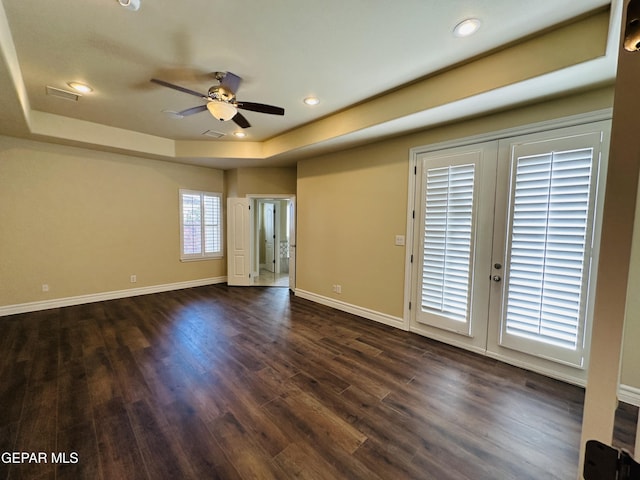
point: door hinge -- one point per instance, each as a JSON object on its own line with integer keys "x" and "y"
{"x": 415, "y": 169}
{"x": 411, "y": 258}
{"x": 413, "y": 214}
{"x": 409, "y": 305}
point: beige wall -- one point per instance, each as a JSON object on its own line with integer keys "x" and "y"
{"x": 261, "y": 181}
{"x": 83, "y": 221}
{"x": 350, "y": 207}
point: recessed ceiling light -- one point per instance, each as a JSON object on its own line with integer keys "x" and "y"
{"x": 239, "y": 134}
{"x": 80, "y": 87}
{"x": 466, "y": 27}
{"x": 311, "y": 100}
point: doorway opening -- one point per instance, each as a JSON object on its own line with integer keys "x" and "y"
{"x": 272, "y": 243}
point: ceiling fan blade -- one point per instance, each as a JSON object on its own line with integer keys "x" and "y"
{"x": 230, "y": 82}
{"x": 178, "y": 87}
{"x": 192, "y": 110}
{"x": 260, "y": 107}
{"x": 241, "y": 121}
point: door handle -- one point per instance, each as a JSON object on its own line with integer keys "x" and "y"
{"x": 496, "y": 278}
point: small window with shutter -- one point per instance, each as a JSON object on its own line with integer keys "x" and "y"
{"x": 200, "y": 225}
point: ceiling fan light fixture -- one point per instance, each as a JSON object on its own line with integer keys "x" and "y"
{"x": 221, "y": 110}
{"x": 130, "y": 4}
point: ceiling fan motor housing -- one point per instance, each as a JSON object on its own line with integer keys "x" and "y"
{"x": 221, "y": 94}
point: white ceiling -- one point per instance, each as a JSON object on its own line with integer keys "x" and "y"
{"x": 344, "y": 52}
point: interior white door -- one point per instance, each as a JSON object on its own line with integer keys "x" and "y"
{"x": 269, "y": 219}
{"x": 239, "y": 242}
{"x": 454, "y": 213}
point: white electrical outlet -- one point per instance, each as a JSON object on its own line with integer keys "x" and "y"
{"x": 338, "y": 288}
{"x": 334, "y": 287}
{"x": 45, "y": 287}
{"x": 400, "y": 240}
{"x": 133, "y": 279}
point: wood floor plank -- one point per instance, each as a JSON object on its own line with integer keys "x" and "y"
{"x": 79, "y": 446}
{"x": 384, "y": 426}
{"x": 73, "y": 397}
{"x": 36, "y": 430}
{"x": 300, "y": 431}
{"x": 322, "y": 422}
{"x": 163, "y": 457}
{"x": 131, "y": 381}
{"x": 247, "y": 457}
{"x": 13, "y": 388}
{"x": 202, "y": 451}
{"x": 240, "y": 383}
{"x": 246, "y": 396}
{"x": 388, "y": 461}
{"x": 23, "y": 346}
{"x": 101, "y": 379}
{"x": 70, "y": 345}
{"x": 300, "y": 462}
{"x": 8, "y": 436}
{"x": 119, "y": 453}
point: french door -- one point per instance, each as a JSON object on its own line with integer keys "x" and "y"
{"x": 506, "y": 234}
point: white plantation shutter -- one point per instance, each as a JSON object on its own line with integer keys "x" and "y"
{"x": 549, "y": 247}
{"x": 212, "y": 210}
{"x": 200, "y": 228}
{"x": 191, "y": 223}
{"x": 448, "y": 225}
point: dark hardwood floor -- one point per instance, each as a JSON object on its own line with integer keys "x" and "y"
{"x": 243, "y": 383}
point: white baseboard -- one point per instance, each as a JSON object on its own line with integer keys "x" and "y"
{"x": 99, "y": 297}
{"x": 547, "y": 372}
{"x": 630, "y": 395}
{"x": 354, "y": 309}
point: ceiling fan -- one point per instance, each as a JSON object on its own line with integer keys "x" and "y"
{"x": 221, "y": 100}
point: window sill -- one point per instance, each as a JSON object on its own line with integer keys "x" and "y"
{"x": 200, "y": 259}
